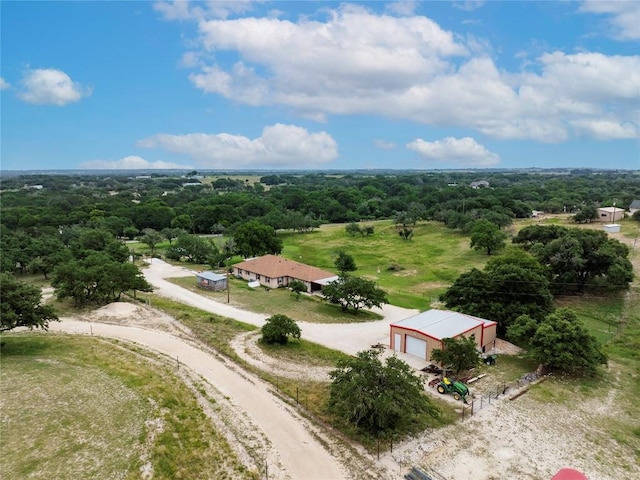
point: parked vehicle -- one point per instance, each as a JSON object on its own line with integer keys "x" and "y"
{"x": 458, "y": 389}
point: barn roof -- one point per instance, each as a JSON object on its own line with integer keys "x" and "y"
{"x": 442, "y": 323}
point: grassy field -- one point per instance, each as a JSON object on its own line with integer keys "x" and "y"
{"x": 413, "y": 273}
{"x": 77, "y": 407}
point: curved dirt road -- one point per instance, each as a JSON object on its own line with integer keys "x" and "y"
{"x": 346, "y": 337}
{"x": 298, "y": 451}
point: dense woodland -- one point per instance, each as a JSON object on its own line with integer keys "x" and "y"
{"x": 126, "y": 205}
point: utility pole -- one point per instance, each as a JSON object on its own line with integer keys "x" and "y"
{"x": 227, "y": 284}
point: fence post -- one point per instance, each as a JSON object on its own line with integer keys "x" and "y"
{"x": 297, "y": 402}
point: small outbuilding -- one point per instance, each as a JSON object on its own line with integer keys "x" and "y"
{"x": 212, "y": 281}
{"x": 610, "y": 214}
{"x": 421, "y": 334}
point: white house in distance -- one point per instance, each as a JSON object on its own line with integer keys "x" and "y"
{"x": 273, "y": 271}
{"x": 421, "y": 334}
{"x": 610, "y": 214}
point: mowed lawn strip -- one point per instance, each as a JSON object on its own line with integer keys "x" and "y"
{"x": 76, "y": 407}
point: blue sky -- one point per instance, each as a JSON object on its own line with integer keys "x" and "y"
{"x": 320, "y": 85}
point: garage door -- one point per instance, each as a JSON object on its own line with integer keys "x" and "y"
{"x": 415, "y": 346}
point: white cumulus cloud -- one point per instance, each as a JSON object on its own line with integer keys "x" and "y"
{"x": 278, "y": 146}
{"x": 350, "y": 60}
{"x": 131, "y": 162}
{"x": 4, "y": 84}
{"x": 623, "y": 17}
{"x": 463, "y": 152}
{"x": 50, "y": 86}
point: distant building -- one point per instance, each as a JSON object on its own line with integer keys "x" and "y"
{"x": 479, "y": 184}
{"x": 610, "y": 214}
{"x": 634, "y": 207}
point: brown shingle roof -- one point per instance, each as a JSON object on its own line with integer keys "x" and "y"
{"x": 273, "y": 266}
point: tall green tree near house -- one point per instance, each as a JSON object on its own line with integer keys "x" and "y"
{"x": 253, "y": 239}
{"x": 354, "y": 293}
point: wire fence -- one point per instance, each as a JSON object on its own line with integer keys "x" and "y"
{"x": 514, "y": 389}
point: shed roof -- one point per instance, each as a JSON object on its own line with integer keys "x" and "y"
{"x": 274, "y": 266}
{"x": 611, "y": 209}
{"x": 214, "y": 277}
{"x": 635, "y": 204}
{"x": 442, "y": 323}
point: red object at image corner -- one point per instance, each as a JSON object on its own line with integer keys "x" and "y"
{"x": 569, "y": 474}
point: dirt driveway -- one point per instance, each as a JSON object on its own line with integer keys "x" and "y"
{"x": 295, "y": 451}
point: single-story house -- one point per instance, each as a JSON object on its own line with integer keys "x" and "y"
{"x": 211, "y": 280}
{"x": 610, "y": 214}
{"x": 273, "y": 271}
{"x": 634, "y": 207}
{"x": 421, "y": 334}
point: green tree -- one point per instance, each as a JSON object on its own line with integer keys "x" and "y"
{"x": 587, "y": 214}
{"x": 253, "y": 239}
{"x": 378, "y": 398}
{"x": 172, "y": 233}
{"x": 97, "y": 279}
{"x": 130, "y": 232}
{"x": 345, "y": 262}
{"x": 522, "y": 330}
{"x": 21, "y": 305}
{"x": 182, "y": 222}
{"x": 509, "y": 286}
{"x": 352, "y": 228}
{"x": 460, "y": 354}
{"x": 196, "y": 249}
{"x": 561, "y": 342}
{"x": 46, "y": 253}
{"x": 485, "y": 235}
{"x": 297, "y": 287}
{"x": 151, "y": 238}
{"x": 354, "y": 292}
{"x": 583, "y": 258}
{"x": 278, "y": 328}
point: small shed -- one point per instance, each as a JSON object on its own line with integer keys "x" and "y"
{"x": 212, "y": 280}
{"x": 421, "y": 334}
{"x": 612, "y": 228}
{"x": 610, "y": 214}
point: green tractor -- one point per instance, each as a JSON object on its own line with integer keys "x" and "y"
{"x": 458, "y": 389}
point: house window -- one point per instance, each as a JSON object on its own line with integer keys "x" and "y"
{"x": 279, "y": 280}
{"x": 257, "y": 277}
